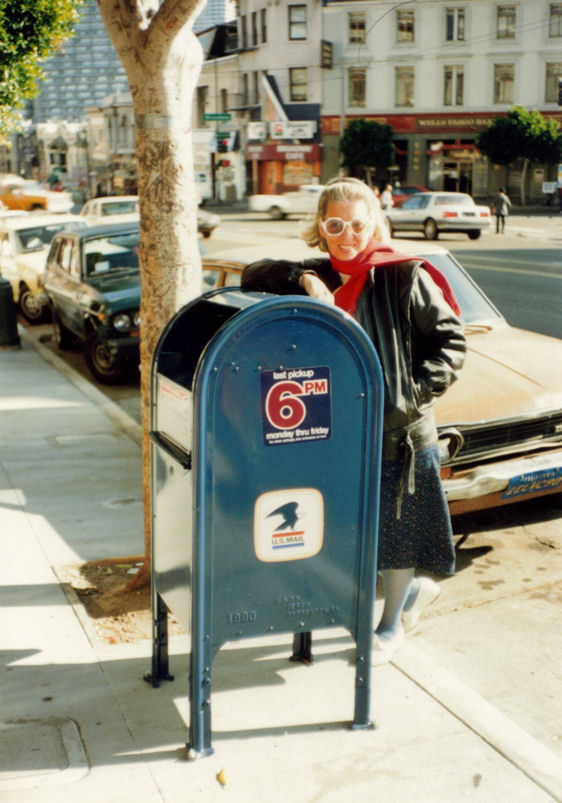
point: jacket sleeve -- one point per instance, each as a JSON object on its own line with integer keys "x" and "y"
{"x": 282, "y": 277}
{"x": 279, "y": 276}
{"x": 439, "y": 347}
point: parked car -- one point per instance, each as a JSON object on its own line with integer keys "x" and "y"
{"x": 24, "y": 243}
{"x": 125, "y": 209}
{"x": 434, "y": 212}
{"x": 111, "y": 209}
{"x": 500, "y": 424}
{"x": 29, "y": 196}
{"x": 207, "y": 222}
{"x": 299, "y": 202}
{"x": 402, "y": 193}
{"x": 92, "y": 280}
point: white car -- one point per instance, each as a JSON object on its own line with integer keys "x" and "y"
{"x": 299, "y": 202}
{"x": 434, "y": 212}
{"x": 24, "y": 243}
{"x": 111, "y": 209}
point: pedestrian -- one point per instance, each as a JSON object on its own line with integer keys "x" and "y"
{"x": 387, "y": 201}
{"x": 502, "y": 207}
{"x": 410, "y": 313}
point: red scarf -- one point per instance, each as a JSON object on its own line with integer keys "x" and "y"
{"x": 376, "y": 255}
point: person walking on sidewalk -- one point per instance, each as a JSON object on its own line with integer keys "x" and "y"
{"x": 502, "y": 207}
{"x": 409, "y": 311}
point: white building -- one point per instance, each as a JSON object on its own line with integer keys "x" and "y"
{"x": 438, "y": 73}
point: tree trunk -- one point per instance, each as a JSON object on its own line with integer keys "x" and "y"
{"x": 162, "y": 58}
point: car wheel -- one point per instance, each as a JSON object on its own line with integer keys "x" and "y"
{"x": 474, "y": 234}
{"x": 430, "y": 230}
{"x": 206, "y": 233}
{"x": 276, "y": 213}
{"x": 30, "y": 308}
{"x": 102, "y": 364}
{"x": 61, "y": 335}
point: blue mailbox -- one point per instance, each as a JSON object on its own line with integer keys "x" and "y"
{"x": 266, "y": 419}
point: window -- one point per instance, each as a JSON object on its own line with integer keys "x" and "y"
{"x": 256, "y": 87}
{"x": 245, "y": 93}
{"x": 455, "y": 24}
{"x": 505, "y": 27}
{"x": 405, "y": 25}
{"x": 297, "y": 22}
{"x": 224, "y": 100}
{"x": 356, "y": 22}
{"x": 357, "y": 86}
{"x": 555, "y": 20}
{"x": 254, "y": 19}
{"x": 404, "y": 86}
{"x": 263, "y": 17}
{"x": 553, "y": 73}
{"x": 243, "y": 32}
{"x": 202, "y": 100}
{"x": 504, "y": 76}
{"x": 453, "y": 85}
{"x": 297, "y": 82}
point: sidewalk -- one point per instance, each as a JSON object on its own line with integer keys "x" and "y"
{"x": 79, "y": 723}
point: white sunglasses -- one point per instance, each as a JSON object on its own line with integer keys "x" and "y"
{"x": 335, "y": 226}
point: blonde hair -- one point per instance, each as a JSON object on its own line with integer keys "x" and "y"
{"x": 345, "y": 189}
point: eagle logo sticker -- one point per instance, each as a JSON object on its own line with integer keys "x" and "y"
{"x": 288, "y": 524}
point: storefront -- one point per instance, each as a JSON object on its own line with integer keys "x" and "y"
{"x": 282, "y": 167}
{"x": 436, "y": 151}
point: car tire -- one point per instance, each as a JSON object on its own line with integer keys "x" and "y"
{"x": 206, "y": 234}
{"x": 276, "y": 213}
{"x": 32, "y": 311}
{"x": 61, "y": 335}
{"x": 474, "y": 234}
{"x": 103, "y": 365}
{"x": 430, "y": 230}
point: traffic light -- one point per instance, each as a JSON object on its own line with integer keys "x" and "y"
{"x": 226, "y": 141}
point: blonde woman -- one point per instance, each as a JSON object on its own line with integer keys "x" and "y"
{"x": 408, "y": 310}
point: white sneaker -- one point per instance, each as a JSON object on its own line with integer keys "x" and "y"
{"x": 384, "y": 649}
{"x": 428, "y": 593}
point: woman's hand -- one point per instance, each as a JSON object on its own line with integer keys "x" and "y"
{"x": 316, "y": 288}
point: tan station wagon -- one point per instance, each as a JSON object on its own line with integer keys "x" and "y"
{"x": 500, "y": 424}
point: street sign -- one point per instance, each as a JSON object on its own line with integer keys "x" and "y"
{"x": 222, "y": 116}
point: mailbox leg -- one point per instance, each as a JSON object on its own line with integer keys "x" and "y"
{"x": 160, "y": 668}
{"x": 302, "y": 648}
{"x": 200, "y": 701}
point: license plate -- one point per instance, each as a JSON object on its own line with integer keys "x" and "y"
{"x": 534, "y": 482}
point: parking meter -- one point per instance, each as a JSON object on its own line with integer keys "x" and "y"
{"x": 266, "y": 418}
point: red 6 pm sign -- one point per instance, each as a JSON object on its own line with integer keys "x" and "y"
{"x": 296, "y": 405}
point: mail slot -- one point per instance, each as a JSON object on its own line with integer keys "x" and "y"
{"x": 266, "y": 419}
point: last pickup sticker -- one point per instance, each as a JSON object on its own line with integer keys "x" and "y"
{"x": 296, "y": 405}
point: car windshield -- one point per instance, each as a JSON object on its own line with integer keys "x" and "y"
{"x": 35, "y": 238}
{"x": 117, "y": 252}
{"x": 118, "y": 208}
{"x": 476, "y": 308}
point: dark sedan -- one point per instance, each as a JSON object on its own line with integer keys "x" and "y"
{"x": 92, "y": 280}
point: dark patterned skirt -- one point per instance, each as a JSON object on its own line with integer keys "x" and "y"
{"x": 422, "y": 538}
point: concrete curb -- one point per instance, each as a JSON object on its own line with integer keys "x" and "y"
{"x": 529, "y": 755}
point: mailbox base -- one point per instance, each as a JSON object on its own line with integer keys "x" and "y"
{"x": 160, "y": 662}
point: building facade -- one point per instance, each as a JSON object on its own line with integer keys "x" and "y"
{"x": 438, "y": 73}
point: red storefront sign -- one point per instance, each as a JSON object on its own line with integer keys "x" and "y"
{"x": 284, "y": 153}
{"x": 462, "y": 122}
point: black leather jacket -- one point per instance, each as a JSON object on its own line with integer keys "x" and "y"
{"x": 418, "y": 338}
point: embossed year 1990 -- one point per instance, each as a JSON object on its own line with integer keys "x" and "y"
{"x": 240, "y": 617}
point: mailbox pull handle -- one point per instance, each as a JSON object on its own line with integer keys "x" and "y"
{"x": 181, "y": 457}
